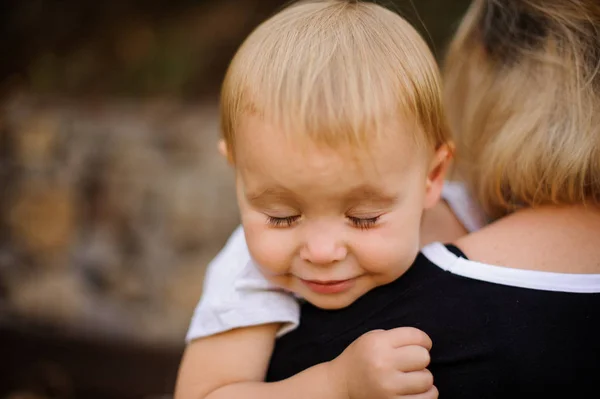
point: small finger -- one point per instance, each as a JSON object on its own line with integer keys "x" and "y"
{"x": 415, "y": 382}
{"x": 404, "y": 336}
{"x": 411, "y": 358}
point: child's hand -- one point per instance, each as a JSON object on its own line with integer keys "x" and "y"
{"x": 385, "y": 365}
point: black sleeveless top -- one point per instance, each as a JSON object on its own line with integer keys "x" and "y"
{"x": 489, "y": 340}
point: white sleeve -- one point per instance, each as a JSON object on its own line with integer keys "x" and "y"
{"x": 464, "y": 207}
{"x": 236, "y": 295}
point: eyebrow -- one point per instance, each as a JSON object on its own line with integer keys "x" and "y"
{"x": 268, "y": 195}
{"x": 363, "y": 193}
{"x": 371, "y": 194}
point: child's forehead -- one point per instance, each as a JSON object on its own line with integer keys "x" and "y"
{"x": 266, "y": 156}
{"x": 354, "y": 142}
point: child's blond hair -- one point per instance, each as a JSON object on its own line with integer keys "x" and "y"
{"x": 337, "y": 72}
{"x": 522, "y": 95}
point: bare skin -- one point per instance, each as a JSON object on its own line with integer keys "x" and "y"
{"x": 550, "y": 239}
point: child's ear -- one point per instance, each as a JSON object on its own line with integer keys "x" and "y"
{"x": 437, "y": 173}
{"x": 224, "y": 151}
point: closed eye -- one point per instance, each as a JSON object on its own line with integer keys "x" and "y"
{"x": 287, "y": 221}
{"x": 363, "y": 223}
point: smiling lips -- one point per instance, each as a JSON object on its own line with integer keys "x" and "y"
{"x": 329, "y": 287}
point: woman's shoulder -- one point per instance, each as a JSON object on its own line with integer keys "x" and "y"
{"x": 546, "y": 239}
{"x": 458, "y": 264}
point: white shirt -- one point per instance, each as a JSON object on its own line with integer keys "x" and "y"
{"x": 237, "y": 295}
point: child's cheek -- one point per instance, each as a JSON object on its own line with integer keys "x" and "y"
{"x": 271, "y": 248}
{"x": 388, "y": 251}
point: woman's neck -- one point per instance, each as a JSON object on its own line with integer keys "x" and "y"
{"x": 562, "y": 239}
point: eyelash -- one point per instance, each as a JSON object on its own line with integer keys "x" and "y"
{"x": 363, "y": 224}
{"x": 282, "y": 222}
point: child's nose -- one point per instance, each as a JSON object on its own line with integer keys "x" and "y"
{"x": 323, "y": 248}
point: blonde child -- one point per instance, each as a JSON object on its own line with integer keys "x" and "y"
{"x": 332, "y": 119}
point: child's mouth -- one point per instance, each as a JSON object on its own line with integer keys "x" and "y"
{"x": 329, "y": 287}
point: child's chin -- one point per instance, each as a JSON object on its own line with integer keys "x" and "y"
{"x": 332, "y": 302}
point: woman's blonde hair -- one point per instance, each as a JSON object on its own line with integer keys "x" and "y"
{"x": 522, "y": 96}
{"x": 337, "y": 72}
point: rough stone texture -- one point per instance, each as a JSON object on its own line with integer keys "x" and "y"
{"x": 110, "y": 213}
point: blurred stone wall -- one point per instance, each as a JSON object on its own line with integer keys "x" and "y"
{"x": 110, "y": 212}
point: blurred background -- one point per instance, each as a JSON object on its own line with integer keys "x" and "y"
{"x": 113, "y": 198}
